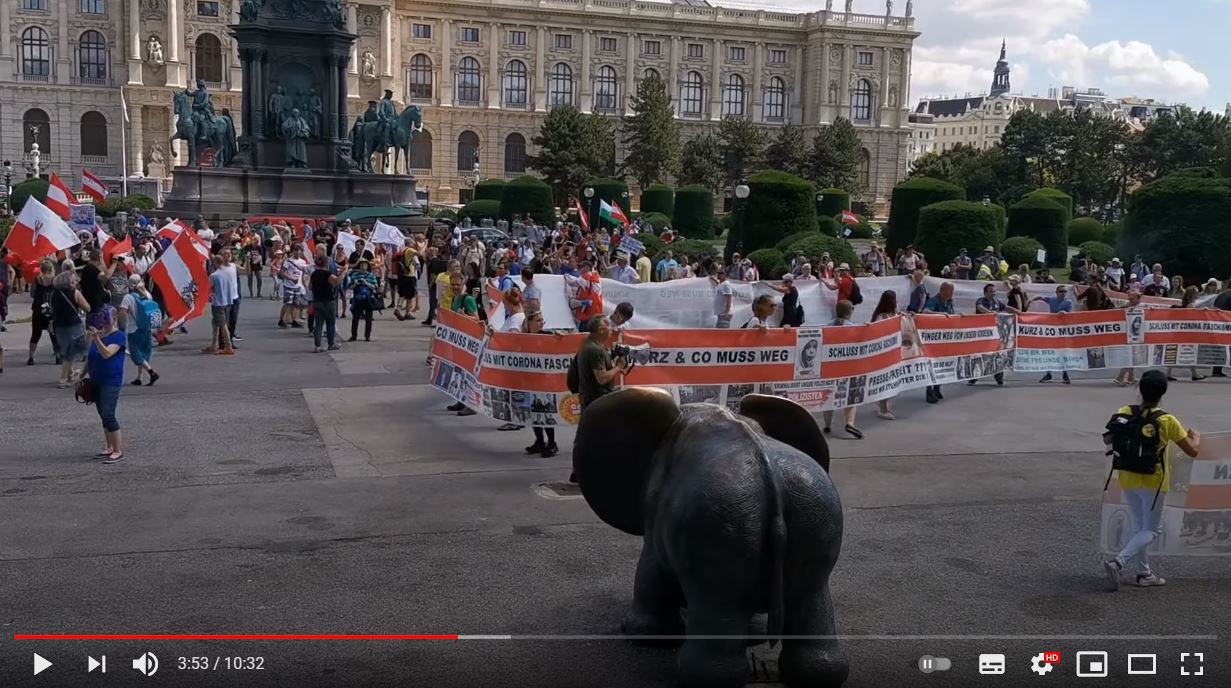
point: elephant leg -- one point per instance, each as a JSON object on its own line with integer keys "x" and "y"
{"x": 656, "y": 600}
{"x": 713, "y": 663}
{"x": 817, "y": 663}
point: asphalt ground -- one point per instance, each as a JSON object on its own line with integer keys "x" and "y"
{"x": 281, "y": 491}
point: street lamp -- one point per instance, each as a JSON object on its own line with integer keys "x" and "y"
{"x": 820, "y": 200}
{"x": 588, "y": 192}
{"x": 986, "y": 201}
{"x": 1107, "y": 215}
{"x": 8, "y": 186}
{"x": 741, "y": 194}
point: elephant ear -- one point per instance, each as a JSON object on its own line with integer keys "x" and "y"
{"x": 789, "y": 423}
{"x": 613, "y": 454}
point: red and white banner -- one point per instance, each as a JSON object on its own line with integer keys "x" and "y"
{"x": 39, "y": 232}
{"x": 171, "y": 230}
{"x": 110, "y": 246}
{"x": 181, "y": 277}
{"x": 59, "y": 198}
{"x": 93, "y": 186}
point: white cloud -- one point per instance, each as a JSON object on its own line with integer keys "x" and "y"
{"x": 1130, "y": 68}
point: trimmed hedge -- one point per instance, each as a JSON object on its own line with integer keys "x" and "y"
{"x": 786, "y": 242}
{"x": 1020, "y": 250}
{"x": 489, "y": 189}
{"x": 528, "y": 196}
{"x": 828, "y": 226}
{"x": 1098, "y": 251}
{"x": 778, "y": 205}
{"x": 695, "y": 249}
{"x": 651, "y": 243}
{"x": 1043, "y": 219}
{"x": 132, "y": 204}
{"x": 1083, "y": 229}
{"x": 482, "y": 209}
{"x": 835, "y": 201}
{"x": 1183, "y": 222}
{"x": 863, "y": 230}
{"x": 1064, "y": 200}
{"x": 605, "y": 189}
{"x": 816, "y": 244}
{"x": 947, "y": 227}
{"x": 657, "y": 220}
{"x": 770, "y": 263}
{"x": 658, "y": 198}
{"x": 22, "y": 191}
{"x": 908, "y": 199}
{"x": 694, "y": 212}
{"x": 1111, "y": 234}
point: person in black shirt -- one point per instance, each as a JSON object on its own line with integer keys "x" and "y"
{"x": 361, "y": 252}
{"x": 93, "y": 287}
{"x": 436, "y": 265}
{"x": 323, "y": 284}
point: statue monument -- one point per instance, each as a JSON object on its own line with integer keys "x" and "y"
{"x": 299, "y": 153}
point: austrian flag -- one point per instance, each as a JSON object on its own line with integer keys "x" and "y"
{"x": 93, "y": 186}
{"x": 110, "y": 246}
{"x": 40, "y": 232}
{"x": 181, "y": 277}
{"x": 59, "y": 198}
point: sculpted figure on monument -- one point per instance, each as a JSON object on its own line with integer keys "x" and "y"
{"x": 386, "y": 116}
{"x": 369, "y": 65}
{"x": 224, "y": 142}
{"x": 153, "y": 50}
{"x": 314, "y": 109}
{"x": 295, "y": 131}
{"x": 249, "y": 10}
{"x": 278, "y": 106}
{"x": 910, "y": 8}
{"x": 850, "y": 6}
{"x": 156, "y": 154}
{"x": 333, "y": 11}
{"x": 202, "y": 109}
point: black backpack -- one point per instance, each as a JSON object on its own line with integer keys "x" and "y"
{"x": 1136, "y": 442}
{"x": 574, "y": 377}
{"x": 856, "y": 294}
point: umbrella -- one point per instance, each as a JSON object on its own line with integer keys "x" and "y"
{"x": 368, "y": 213}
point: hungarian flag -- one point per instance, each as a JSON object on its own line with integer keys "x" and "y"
{"x": 582, "y": 216}
{"x": 612, "y": 213}
{"x": 59, "y": 198}
{"x": 849, "y": 218}
{"x": 39, "y": 232}
{"x": 93, "y": 186}
{"x": 181, "y": 277}
{"x": 171, "y": 230}
{"x": 110, "y": 246}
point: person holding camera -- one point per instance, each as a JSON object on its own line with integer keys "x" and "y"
{"x": 596, "y": 368}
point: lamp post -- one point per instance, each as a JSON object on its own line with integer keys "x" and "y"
{"x": 820, "y": 201}
{"x": 741, "y": 194}
{"x": 986, "y": 201}
{"x": 1107, "y": 215}
{"x": 8, "y": 186}
{"x": 588, "y": 192}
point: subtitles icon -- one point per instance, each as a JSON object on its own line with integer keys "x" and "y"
{"x": 991, "y": 664}
{"x": 1142, "y": 665}
{"x": 1044, "y": 662}
{"x": 1092, "y": 665}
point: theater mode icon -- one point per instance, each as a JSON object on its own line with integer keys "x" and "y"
{"x": 991, "y": 664}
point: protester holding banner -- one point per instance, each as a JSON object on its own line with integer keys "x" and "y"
{"x": 842, "y": 318}
{"x": 1056, "y": 304}
{"x": 1187, "y": 301}
{"x": 792, "y": 312}
{"x": 585, "y": 295}
{"x": 988, "y": 303}
{"x": 1127, "y": 376}
{"x": 941, "y": 303}
{"x": 886, "y": 308}
{"x": 724, "y": 294}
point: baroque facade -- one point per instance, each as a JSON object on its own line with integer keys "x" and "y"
{"x": 91, "y": 80}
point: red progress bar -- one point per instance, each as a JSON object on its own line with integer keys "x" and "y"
{"x": 233, "y": 636}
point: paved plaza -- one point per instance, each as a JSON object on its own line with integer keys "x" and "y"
{"x": 281, "y": 491}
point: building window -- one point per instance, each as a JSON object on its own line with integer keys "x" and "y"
{"x": 515, "y": 82}
{"x": 861, "y": 104}
{"x": 651, "y": 73}
{"x": 36, "y": 128}
{"x": 775, "y": 100}
{"x": 560, "y": 86}
{"x": 696, "y": 50}
{"x": 419, "y": 82}
{"x": 652, "y": 47}
{"x": 997, "y": 129}
{"x": 517, "y": 38}
{"x": 733, "y": 96}
{"x": 421, "y": 150}
{"x": 735, "y": 53}
{"x": 209, "y": 58}
{"x": 606, "y": 45}
{"x": 423, "y": 31}
{"x": 34, "y": 5}
{"x": 93, "y": 134}
{"x": 605, "y": 88}
{"x": 564, "y": 41}
{"x": 865, "y": 168}
{"x": 467, "y": 151}
{"x": 865, "y": 59}
{"x": 91, "y": 6}
{"x": 35, "y": 54}
{"x": 691, "y": 93}
{"x": 514, "y": 153}
{"x": 207, "y": 8}
{"x": 777, "y": 57}
{"x": 92, "y": 57}
{"x": 468, "y": 80}
{"x": 470, "y": 34}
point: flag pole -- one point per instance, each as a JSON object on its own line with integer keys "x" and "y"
{"x": 123, "y": 145}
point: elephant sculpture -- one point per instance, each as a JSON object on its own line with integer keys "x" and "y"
{"x": 739, "y": 517}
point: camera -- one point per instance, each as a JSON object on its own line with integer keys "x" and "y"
{"x": 621, "y": 351}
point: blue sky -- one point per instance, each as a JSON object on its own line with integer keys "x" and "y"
{"x": 1175, "y": 50}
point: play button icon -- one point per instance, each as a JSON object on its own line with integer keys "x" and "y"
{"x": 40, "y": 664}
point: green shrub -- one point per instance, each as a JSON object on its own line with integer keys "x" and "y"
{"x": 651, "y": 243}
{"x": 448, "y": 213}
{"x": 835, "y": 201}
{"x": 1064, "y": 200}
{"x": 1043, "y": 219}
{"x": 779, "y": 204}
{"x": 1183, "y": 222}
{"x": 6, "y": 225}
{"x": 1098, "y": 251}
{"x": 22, "y": 191}
{"x": 489, "y": 189}
{"x": 695, "y": 249}
{"x": 1083, "y": 229}
{"x": 949, "y": 226}
{"x": 862, "y": 230}
{"x": 787, "y": 241}
{"x": 483, "y": 209}
{"x": 1111, "y": 234}
{"x": 694, "y": 212}
{"x": 908, "y": 199}
{"x": 1020, "y": 250}
{"x": 828, "y": 226}
{"x": 657, "y": 220}
{"x": 528, "y": 196}
{"x": 816, "y": 244}
{"x": 658, "y": 198}
{"x": 770, "y": 263}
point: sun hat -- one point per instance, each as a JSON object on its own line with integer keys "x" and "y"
{"x": 845, "y": 266}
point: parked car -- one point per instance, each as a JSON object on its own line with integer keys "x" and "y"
{"x": 490, "y": 236}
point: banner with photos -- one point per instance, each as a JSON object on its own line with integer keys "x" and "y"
{"x": 1131, "y": 338}
{"x": 1196, "y": 518}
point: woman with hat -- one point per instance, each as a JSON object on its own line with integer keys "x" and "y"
{"x": 842, "y": 283}
{"x": 364, "y": 288}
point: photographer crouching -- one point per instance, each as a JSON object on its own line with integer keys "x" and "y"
{"x": 596, "y": 368}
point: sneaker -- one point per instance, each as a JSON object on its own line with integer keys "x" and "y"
{"x": 466, "y": 412}
{"x": 29, "y": 361}
{"x": 536, "y": 447}
{"x": 317, "y": 349}
{"x": 938, "y": 394}
{"x": 455, "y": 407}
{"x": 114, "y": 458}
{"x": 971, "y": 382}
{"x": 1045, "y": 378}
{"x": 136, "y": 382}
{"x": 153, "y": 378}
{"x": 236, "y": 338}
{"x": 410, "y": 317}
{"x": 1112, "y": 568}
{"x": 296, "y": 323}
{"x": 282, "y": 325}
{"x": 1218, "y": 373}
{"x": 1066, "y": 379}
{"x": 854, "y": 432}
{"x": 551, "y": 450}
{"x": 335, "y": 347}
{"x": 886, "y": 415}
{"x": 1150, "y": 580}
{"x": 508, "y": 426}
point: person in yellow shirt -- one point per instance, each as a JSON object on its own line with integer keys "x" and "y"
{"x": 644, "y": 268}
{"x": 1143, "y": 492}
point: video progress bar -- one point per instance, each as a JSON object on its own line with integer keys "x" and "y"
{"x": 601, "y": 638}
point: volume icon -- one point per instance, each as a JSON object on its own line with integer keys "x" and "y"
{"x": 147, "y": 664}
{"x": 92, "y": 664}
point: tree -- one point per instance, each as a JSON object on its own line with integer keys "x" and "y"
{"x": 1020, "y": 250}
{"x": 1170, "y": 144}
{"x": 779, "y": 204}
{"x": 1085, "y": 160}
{"x": 651, "y": 134}
{"x": 701, "y": 162}
{"x": 788, "y": 152}
{"x": 949, "y": 226}
{"x": 742, "y": 144}
{"x": 572, "y": 147}
{"x": 1025, "y": 143}
{"x": 489, "y": 189}
{"x": 835, "y": 157}
{"x": 527, "y": 196}
{"x": 982, "y": 172}
{"x": 1184, "y": 222}
{"x": 1044, "y": 219}
{"x": 907, "y": 200}
{"x": 694, "y": 212}
{"x": 658, "y": 198}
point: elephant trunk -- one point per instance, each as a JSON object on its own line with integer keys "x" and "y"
{"x": 775, "y": 541}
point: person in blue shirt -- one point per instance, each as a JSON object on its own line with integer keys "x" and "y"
{"x": 1056, "y": 304}
{"x": 663, "y": 269}
{"x": 988, "y": 303}
{"x": 941, "y": 303}
{"x": 105, "y": 362}
{"x": 918, "y": 293}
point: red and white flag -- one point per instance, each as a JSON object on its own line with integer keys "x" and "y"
{"x": 582, "y": 216}
{"x": 59, "y": 198}
{"x": 849, "y": 218}
{"x": 39, "y": 232}
{"x": 93, "y": 186}
{"x": 181, "y": 277}
{"x": 109, "y": 246}
{"x": 171, "y": 230}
